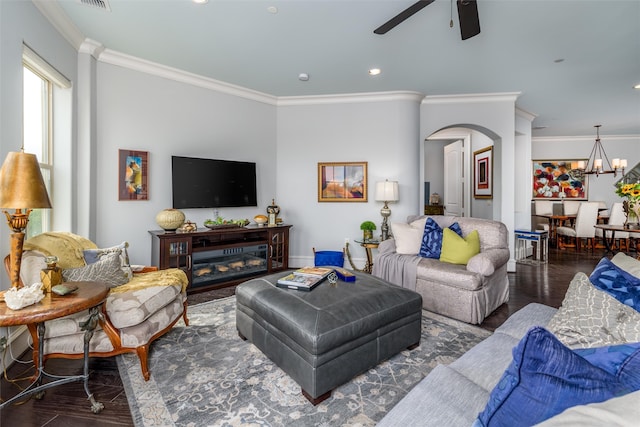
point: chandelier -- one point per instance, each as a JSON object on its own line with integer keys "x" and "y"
{"x": 594, "y": 164}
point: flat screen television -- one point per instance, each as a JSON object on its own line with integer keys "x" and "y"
{"x": 211, "y": 183}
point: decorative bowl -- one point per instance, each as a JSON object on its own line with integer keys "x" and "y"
{"x": 260, "y": 219}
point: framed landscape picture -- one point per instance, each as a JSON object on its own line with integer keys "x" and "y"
{"x": 483, "y": 173}
{"x": 558, "y": 180}
{"x": 132, "y": 175}
{"x": 342, "y": 182}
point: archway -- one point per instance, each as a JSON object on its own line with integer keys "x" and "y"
{"x": 472, "y": 138}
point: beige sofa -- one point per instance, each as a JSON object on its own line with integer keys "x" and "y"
{"x": 140, "y": 307}
{"x": 465, "y": 292}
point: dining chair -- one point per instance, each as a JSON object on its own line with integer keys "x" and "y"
{"x": 586, "y": 218}
{"x": 570, "y": 208}
{"x": 543, "y": 207}
{"x": 616, "y": 217}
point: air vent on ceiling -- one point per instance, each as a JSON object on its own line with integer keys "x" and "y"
{"x": 98, "y": 4}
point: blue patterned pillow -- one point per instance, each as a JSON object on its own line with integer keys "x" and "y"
{"x": 544, "y": 379}
{"x": 432, "y": 238}
{"x": 618, "y": 283}
{"x": 621, "y": 360}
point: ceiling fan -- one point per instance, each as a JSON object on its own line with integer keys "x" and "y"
{"x": 467, "y": 15}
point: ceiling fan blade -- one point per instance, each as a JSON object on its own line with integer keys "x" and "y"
{"x": 468, "y": 16}
{"x": 402, "y": 16}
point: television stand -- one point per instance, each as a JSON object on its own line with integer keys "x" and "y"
{"x": 218, "y": 258}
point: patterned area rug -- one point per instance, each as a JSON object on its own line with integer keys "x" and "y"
{"x": 205, "y": 374}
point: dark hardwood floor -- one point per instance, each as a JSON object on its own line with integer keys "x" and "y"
{"x": 67, "y": 405}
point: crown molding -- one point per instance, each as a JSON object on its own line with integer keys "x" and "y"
{"x": 91, "y": 47}
{"x": 350, "y": 98}
{"x": 525, "y": 114}
{"x": 589, "y": 138}
{"x": 471, "y": 98}
{"x": 134, "y": 63}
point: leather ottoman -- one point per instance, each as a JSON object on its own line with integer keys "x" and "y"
{"x": 325, "y": 337}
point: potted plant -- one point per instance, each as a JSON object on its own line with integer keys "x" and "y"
{"x": 367, "y": 228}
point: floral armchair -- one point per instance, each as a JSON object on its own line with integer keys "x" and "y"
{"x": 140, "y": 307}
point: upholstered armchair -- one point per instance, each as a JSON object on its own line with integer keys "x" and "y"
{"x": 140, "y": 307}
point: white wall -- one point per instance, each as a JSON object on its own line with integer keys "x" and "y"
{"x": 141, "y": 111}
{"x": 381, "y": 130}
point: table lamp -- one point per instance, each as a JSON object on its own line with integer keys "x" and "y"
{"x": 21, "y": 187}
{"x": 386, "y": 191}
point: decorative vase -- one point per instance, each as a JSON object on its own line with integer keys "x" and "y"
{"x": 367, "y": 234}
{"x": 170, "y": 219}
{"x": 632, "y": 210}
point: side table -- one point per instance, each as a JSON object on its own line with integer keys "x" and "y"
{"x": 89, "y": 295}
{"x": 540, "y": 242}
{"x": 368, "y": 245}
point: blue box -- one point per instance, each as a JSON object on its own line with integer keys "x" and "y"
{"x": 345, "y": 275}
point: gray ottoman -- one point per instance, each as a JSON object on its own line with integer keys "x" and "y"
{"x": 325, "y": 337}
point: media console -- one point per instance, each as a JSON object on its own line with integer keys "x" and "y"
{"x": 217, "y": 258}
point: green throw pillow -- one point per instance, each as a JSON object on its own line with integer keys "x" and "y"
{"x": 459, "y": 250}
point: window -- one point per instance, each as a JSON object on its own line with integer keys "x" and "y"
{"x": 39, "y": 79}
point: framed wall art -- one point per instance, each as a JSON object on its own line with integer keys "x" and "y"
{"x": 558, "y": 180}
{"x": 132, "y": 175}
{"x": 342, "y": 182}
{"x": 483, "y": 173}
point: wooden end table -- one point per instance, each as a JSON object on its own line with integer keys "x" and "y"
{"x": 88, "y": 296}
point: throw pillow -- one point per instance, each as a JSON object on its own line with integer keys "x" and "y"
{"x": 622, "y": 360}
{"x": 459, "y": 250}
{"x": 618, "y": 283}
{"x": 431, "y": 244}
{"x": 590, "y": 317}
{"x": 627, "y": 263}
{"x": 94, "y": 255}
{"x": 545, "y": 378}
{"x": 407, "y": 238}
{"x": 107, "y": 270}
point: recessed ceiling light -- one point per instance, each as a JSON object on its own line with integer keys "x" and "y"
{"x": 374, "y": 71}
{"x": 272, "y": 9}
{"x": 637, "y": 86}
{"x": 200, "y": 1}
{"x": 303, "y": 77}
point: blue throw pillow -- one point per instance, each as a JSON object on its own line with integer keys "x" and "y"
{"x": 432, "y": 238}
{"x": 544, "y": 379}
{"x": 618, "y": 283}
{"x": 621, "y": 360}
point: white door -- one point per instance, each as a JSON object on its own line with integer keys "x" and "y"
{"x": 454, "y": 178}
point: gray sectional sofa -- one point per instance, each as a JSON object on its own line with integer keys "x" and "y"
{"x": 454, "y": 395}
{"x": 465, "y": 292}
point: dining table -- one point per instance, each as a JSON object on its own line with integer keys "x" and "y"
{"x": 557, "y": 220}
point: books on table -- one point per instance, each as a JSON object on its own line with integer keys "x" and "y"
{"x": 304, "y": 279}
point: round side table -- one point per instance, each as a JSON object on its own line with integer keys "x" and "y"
{"x": 89, "y": 295}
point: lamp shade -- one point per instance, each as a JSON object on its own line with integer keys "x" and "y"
{"x": 387, "y": 191}
{"x": 21, "y": 183}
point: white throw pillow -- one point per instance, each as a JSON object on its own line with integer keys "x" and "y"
{"x": 408, "y": 238}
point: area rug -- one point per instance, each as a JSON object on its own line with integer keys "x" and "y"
{"x": 205, "y": 375}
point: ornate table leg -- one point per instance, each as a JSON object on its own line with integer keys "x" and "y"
{"x": 89, "y": 326}
{"x": 368, "y": 267}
